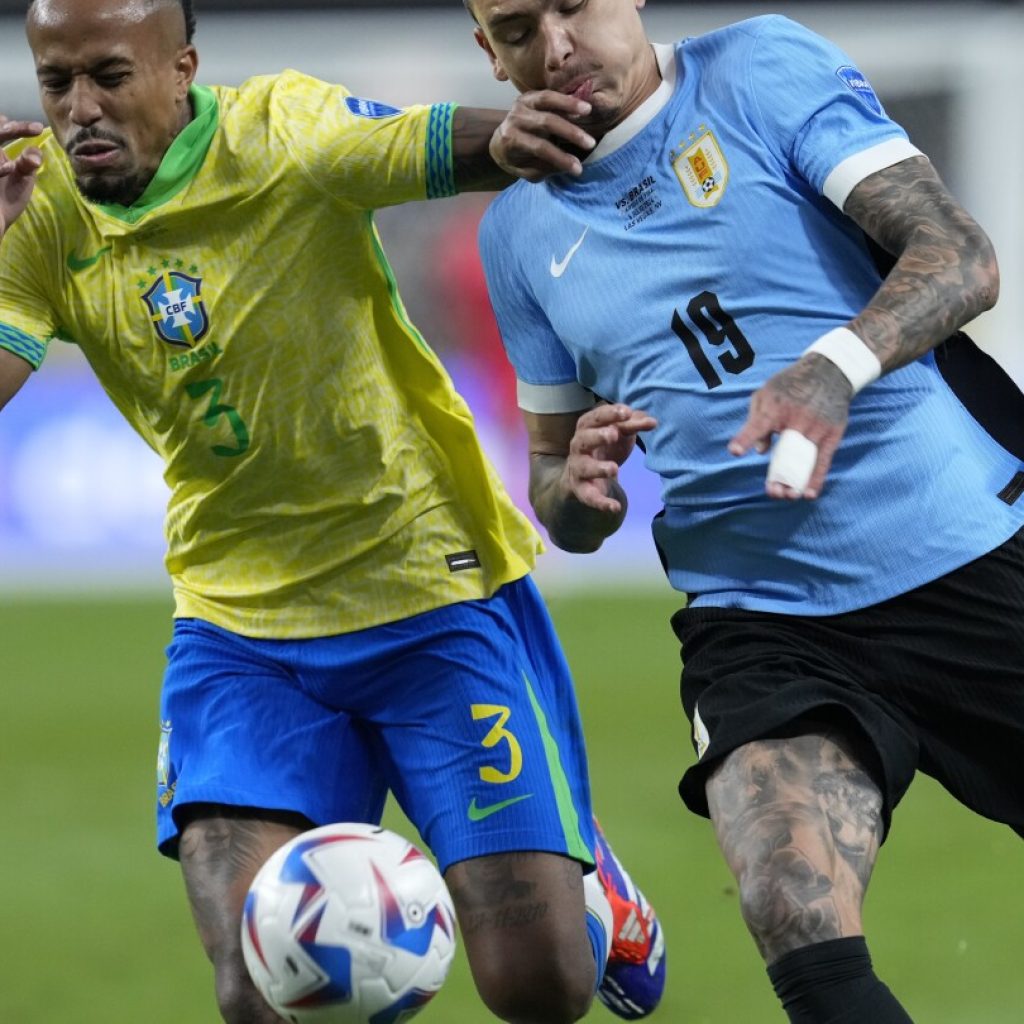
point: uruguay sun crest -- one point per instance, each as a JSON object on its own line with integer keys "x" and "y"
{"x": 702, "y": 170}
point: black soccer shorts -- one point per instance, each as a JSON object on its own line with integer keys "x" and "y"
{"x": 930, "y": 680}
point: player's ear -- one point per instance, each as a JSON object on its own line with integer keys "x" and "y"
{"x": 481, "y": 40}
{"x": 186, "y": 63}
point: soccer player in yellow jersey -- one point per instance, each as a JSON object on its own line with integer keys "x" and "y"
{"x": 353, "y": 605}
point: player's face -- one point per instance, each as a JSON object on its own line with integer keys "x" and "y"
{"x": 113, "y": 77}
{"x": 594, "y": 49}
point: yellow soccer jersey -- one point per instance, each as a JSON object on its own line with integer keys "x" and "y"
{"x": 324, "y": 474}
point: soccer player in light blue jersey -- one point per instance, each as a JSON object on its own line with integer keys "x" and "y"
{"x": 752, "y": 269}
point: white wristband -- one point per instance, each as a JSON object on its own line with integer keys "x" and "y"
{"x": 841, "y": 346}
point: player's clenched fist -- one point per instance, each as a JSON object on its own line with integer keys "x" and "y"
{"x": 604, "y": 438}
{"x": 17, "y": 175}
{"x": 539, "y": 138}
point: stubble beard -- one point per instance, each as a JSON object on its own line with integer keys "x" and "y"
{"x": 119, "y": 189}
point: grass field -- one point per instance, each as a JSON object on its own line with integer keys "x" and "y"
{"x": 95, "y": 926}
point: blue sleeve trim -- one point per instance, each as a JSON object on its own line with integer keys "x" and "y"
{"x": 32, "y": 350}
{"x": 440, "y": 168}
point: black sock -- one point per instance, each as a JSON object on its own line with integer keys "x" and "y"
{"x": 833, "y": 983}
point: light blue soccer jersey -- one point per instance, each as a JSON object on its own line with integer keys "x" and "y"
{"x": 702, "y": 250}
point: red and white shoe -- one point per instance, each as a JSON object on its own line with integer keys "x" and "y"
{"x": 634, "y": 978}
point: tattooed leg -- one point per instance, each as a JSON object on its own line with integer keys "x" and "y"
{"x": 799, "y": 822}
{"x": 522, "y": 921}
{"x": 221, "y": 850}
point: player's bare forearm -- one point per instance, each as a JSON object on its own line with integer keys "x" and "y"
{"x": 535, "y": 139}
{"x": 14, "y": 371}
{"x": 574, "y": 471}
{"x": 571, "y": 525}
{"x": 946, "y": 271}
{"x": 475, "y": 169}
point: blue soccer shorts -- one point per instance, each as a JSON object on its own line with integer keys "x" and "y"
{"x": 466, "y": 713}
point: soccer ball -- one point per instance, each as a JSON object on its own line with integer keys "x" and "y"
{"x": 348, "y": 924}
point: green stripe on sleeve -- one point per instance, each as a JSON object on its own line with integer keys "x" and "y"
{"x": 440, "y": 165}
{"x": 567, "y": 813}
{"x": 32, "y": 350}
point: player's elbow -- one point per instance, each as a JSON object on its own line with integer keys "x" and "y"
{"x": 566, "y": 532}
{"x": 581, "y": 530}
{"x": 984, "y": 281}
{"x": 990, "y": 289}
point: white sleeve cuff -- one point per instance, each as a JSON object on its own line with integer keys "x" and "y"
{"x": 554, "y": 398}
{"x": 854, "y": 169}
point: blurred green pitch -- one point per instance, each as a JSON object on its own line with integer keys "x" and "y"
{"x": 94, "y": 923}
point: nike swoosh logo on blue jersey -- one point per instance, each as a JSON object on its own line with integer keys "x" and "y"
{"x": 475, "y": 813}
{"x": 558, "y": 268}
{"x": 76, "y": 264}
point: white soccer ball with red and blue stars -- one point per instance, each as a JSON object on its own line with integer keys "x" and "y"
{"x": 348, "y": 924}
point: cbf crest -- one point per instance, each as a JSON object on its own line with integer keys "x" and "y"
{"x": 175, "y": 304}
{"x": 702, "y": 170}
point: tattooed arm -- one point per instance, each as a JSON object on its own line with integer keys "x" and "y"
{"x": 945, "y": 275}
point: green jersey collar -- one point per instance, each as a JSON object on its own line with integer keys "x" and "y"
{"x": 181, "y": 162}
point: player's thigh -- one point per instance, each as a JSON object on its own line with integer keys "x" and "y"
{"x": 798, "y": 819}
{"x": 481, "y": 733}
{"x": 799, "y": 766}
{"x": 220, "y": 851}
{"x": 239, "y": 728}
{"x": 751, "y": 676}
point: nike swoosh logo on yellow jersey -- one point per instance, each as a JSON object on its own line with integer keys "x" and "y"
{"x": 75, "y": 264}
{"x": 475, "y": 813}
{"x": 559, "y": 268}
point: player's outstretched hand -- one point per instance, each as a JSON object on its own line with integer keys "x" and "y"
{"x": 17, "y": 176}
{"x": 807, "y": 406}
{"x": 538, "y": 137}
{"x": 605, "y": 436}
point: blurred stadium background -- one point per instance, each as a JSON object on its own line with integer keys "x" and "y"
{"x": 94, "y": 923}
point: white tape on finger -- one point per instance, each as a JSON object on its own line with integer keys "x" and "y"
{"x": 793, "y": 460}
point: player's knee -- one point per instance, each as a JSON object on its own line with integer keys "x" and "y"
{"x": 536, "y": 992}
{"x": 238, "y": 1000}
